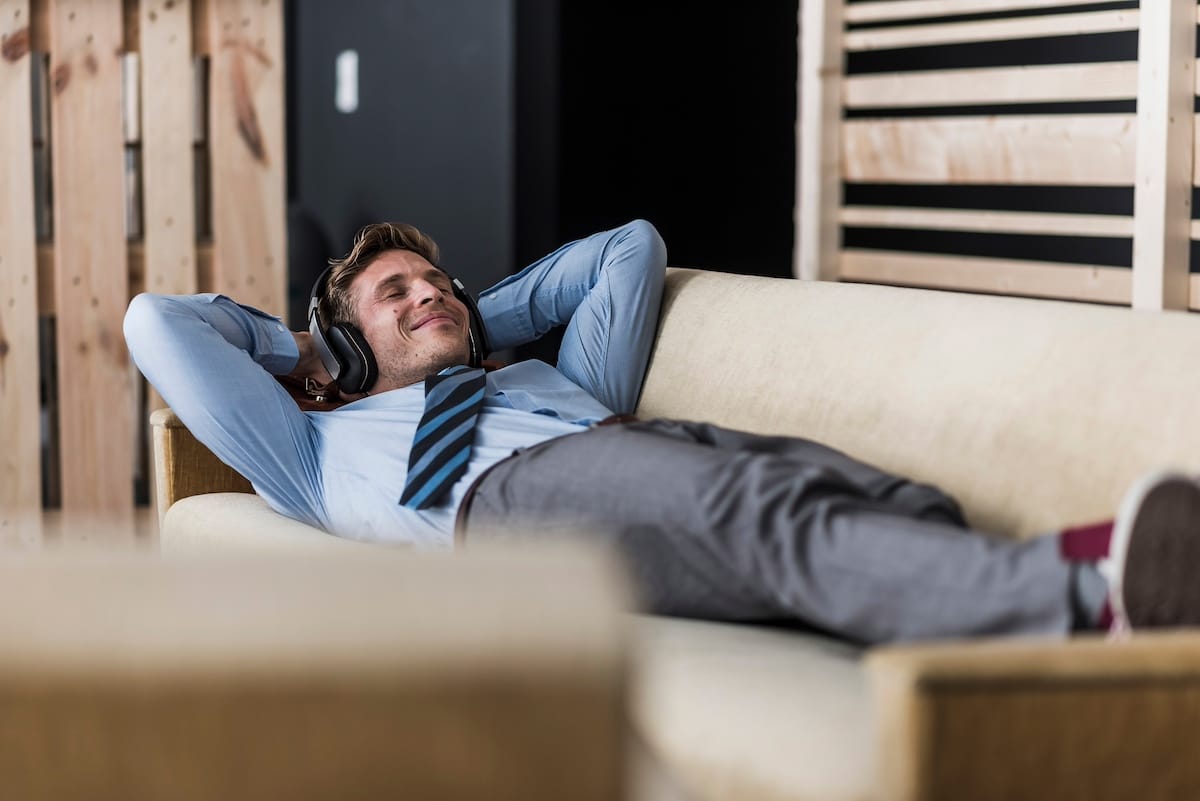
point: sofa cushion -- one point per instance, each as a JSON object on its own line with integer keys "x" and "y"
{"x": 1034, "y": 414}
{"x": 748, "y": 712}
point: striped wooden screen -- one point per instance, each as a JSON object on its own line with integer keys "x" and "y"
{"x": 142, "y": 97}
{"x": 1011, "y": 146}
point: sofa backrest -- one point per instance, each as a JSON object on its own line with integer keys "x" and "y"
{"x": 1034, "y": 414}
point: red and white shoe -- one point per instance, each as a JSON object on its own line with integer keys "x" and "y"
{"x": 1153, "y": 567}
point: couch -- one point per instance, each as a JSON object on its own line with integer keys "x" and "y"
{"x": 1034, "y": 414}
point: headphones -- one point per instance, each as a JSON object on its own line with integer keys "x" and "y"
{"x": 347, "y": 356}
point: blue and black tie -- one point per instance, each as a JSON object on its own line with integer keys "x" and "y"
{"x": 442, "y": 445}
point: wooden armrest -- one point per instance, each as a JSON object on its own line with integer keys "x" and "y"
{"x": 183, "y": 467}
{"x": 1084, "y": 718}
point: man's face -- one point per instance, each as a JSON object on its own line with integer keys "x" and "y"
{"x": 410, "y": 317}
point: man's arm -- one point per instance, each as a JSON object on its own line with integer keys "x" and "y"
{"x": 213, "y": 361}
{"x": 607, "y": 289}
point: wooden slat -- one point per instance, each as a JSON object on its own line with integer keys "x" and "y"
{"x": 992, "y": 30}
{"x": 135, "y": 254}
{"x": 167, "y": 169}
{"x": 91, "y": 286}
{"x": 1166, "y": 144}
{"x": 1035, "y": 84}
{"x": 1194, "y": 293}
{"x": 888, "y": 10}
{"x": 169, "y": 211}
{"x": 246, "y": 135}
{"x": 1077, "y": 150}
{"x": 986, "y": 221}
{"x": 818, "y": 183}
{"x": 1000, "y": 276}
{"x": 20, "y": 409}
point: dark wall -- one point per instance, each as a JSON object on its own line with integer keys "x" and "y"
{"x": 506, "y": 127}
{"x": 431, "y": 142}
{"x": 683, "y": 114}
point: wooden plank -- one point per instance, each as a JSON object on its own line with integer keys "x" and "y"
{"x": 998, "y": 276}
{"x": 1066, "y": 150}
{"x": 167, "y": 168}
{"x": 135, "y": 255}
{"x": 818, "y": 182}
{"x": 1166, "y": 145}
{"x": 20, "y": 407}
{"x": 248, "y": 158}
{"x": 991, "y": 30}
{"x": 168, "y": 191}
{"x": 1194, "y": 293}
{"x": 997, "y": 85}
{"x": 987, "y": 221}
{"x": 888, "y": 10}
{"x": 91, "y": 286}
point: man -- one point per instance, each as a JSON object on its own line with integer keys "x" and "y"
{"x": 715, "y": 523}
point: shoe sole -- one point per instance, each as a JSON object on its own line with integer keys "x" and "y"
{"x": 1157, "y": 543}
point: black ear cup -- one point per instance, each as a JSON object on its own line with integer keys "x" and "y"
{"x": 359, "y": 370}
{"x": 479, "y": 344}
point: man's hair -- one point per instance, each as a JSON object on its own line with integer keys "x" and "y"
{"x": 372, "y": 240}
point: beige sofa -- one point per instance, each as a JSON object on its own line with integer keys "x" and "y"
{"x": 1034, "y": 414}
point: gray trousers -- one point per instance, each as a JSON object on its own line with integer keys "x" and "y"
{"x": 725, "y": 525}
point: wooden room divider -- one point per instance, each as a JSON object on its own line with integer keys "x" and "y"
{"x": 160, "y": 113}
{"x": 1095, "y": 141}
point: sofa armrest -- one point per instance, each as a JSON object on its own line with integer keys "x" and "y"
{"x": 183, "y": 467}
{"x": 1031, "y": 719}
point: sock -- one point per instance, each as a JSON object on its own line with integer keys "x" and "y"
{"x": 1086, "y": 543}
{"x": 1090, "y": 608}
{"x": 1086, "y": 548}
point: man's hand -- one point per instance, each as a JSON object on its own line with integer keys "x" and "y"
{"x": 309, "y": 365}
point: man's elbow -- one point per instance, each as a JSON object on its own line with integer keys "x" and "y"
{"x": 145, "y": 321}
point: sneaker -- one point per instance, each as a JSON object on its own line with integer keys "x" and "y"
{"x": 1154, "y": 575}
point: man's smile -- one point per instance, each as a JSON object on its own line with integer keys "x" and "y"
{"x": 435, "y": 319}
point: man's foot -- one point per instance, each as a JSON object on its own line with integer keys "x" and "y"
{"x": 1155, "y": 557}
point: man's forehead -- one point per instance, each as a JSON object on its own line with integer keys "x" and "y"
{"x": 394, "y": 266}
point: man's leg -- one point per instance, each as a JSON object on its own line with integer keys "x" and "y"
{"x": 740, "y": 535}
{"x": 919, "y": 500}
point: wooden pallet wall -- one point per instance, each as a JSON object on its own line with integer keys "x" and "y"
{"x": 1029, "y": 147}
{"x": 127, "y": 127}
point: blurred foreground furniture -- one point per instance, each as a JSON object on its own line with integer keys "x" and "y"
{"x": 353, "y": 676}
{"x": 1035, "y": 414}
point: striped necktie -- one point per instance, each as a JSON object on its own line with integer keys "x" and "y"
{"x": 442, "y": 445}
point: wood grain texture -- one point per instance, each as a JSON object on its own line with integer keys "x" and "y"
{"x": 20, "y": 408}
{"x": 995, "y": 85}
{"x": 1166, "y": 144}
{"x": 987, "y": 221}
{"x": 247, "y": 148}
{"x": 998, "y": 276}
{"x": 91, "y": 286}
{"x": 888, "y": 10}
{"x": 1075, "y": 150}
{"x": 818, "y": 184}
{"x": 991, "y": 30}
{"x": 168, "y": 191}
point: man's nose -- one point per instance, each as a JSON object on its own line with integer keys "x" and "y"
{"x": 428, "y": 292}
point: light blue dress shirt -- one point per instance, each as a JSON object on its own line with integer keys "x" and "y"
{"x": 213, "y": 360}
